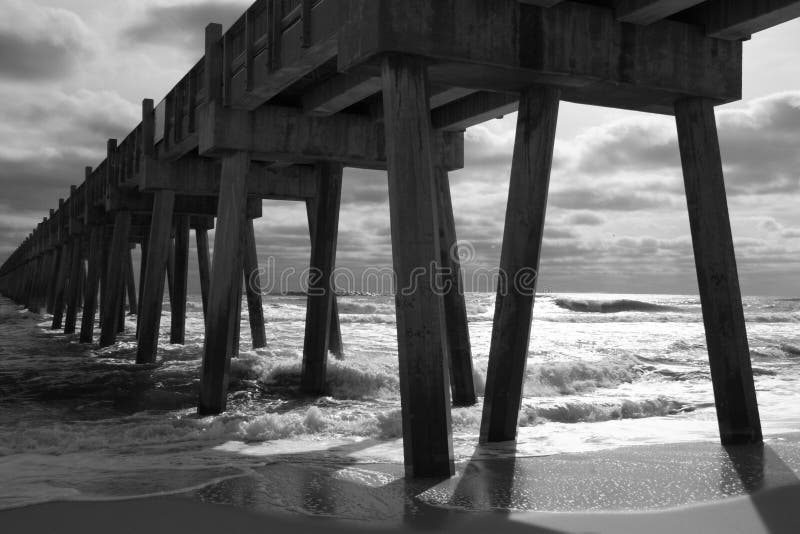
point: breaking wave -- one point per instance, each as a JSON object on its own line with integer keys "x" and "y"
{"x": 569, "y": 378}
{"x": 612, "y": 306}
{"x": 587, "y": 412}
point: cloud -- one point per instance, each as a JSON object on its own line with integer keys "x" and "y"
{"x": 758, "y": 144}
{"x": 49, "y": 137}
{"x": 41, "y": 43}
{"x": 620, "y": 199}
{"x": 183, "y": 25}
{"x": 585, "y": 219}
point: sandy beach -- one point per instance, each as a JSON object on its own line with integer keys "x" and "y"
{"x": 695, "y": 487}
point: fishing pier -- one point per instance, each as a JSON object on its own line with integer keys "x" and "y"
{"x": 295, "y": 91}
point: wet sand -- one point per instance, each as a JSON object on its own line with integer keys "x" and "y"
{"x": 696, "y": 487}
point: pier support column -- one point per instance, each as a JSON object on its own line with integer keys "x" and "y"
{"x": 179, "y": 280}
{"x": 92, "y": 283}
{"x": 204, "y": 265}
{"x": 52, "y": 282}
{"x": 73, "y": 287}
{"x": 458, "y": 345}
{"x": 142, "y": 269}
{"x": 519, "y": 262}
{"x": 226, "y": 283}
{"x": 130, "y": 284}
{"x": 114, "y": 295}
{"x": 61, "y": 285}
{"x": 335, "y": 345}
{"x": 158, "y": 245}
{"x": 421, "y": 338}
{"x": 717, "y": 277}
{"x": 252, "y": 287}
{"x": 319, "y": 307}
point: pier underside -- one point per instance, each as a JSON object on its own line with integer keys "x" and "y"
{"x": 297, "y": 91}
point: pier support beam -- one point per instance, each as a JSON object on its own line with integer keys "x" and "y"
{"x": 717, "y": 277}
{"x": 252, "y": 287}
{"x": 519, "y": 262}
{"x": 226, "y": 283}
{"x": 158, "y": 245}
{"x": 321, "y": 292}
{"x": 421, "y": 339}
{"x": 92, "y": 283}
{"x": 114, "y": 295}
{"x": 458, "y": 345}
{"x": 180, "y": 280}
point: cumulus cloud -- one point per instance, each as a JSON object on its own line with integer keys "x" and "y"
{"x": 758, "y": 142}
{"x": 41, "y": 43}
{"x": 585, "y": 219}
{"x": 50, "y": 137}
{"x": 181, "y": 25}
{"x": 621, "y": 199}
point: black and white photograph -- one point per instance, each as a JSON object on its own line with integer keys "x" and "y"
{"x": 342, "y": 266}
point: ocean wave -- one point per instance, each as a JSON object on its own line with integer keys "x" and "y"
{"x": 772, "y": 318}
{"x": 588, "y": 412}
{"x": 790, "y": 350}
{"x": 365, "y": 308}
{"x": 612, "y": 306}
{"x": 569, "y": 378}
{"x": 343, "y": 379}
{"x": 368, "y": 319}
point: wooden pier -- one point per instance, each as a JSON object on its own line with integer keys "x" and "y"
{"x": 294, "y": 92}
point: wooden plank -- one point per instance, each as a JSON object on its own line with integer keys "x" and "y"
{"x": 458, "y": 345}
{"x": 153, "y": 293}
{"x": 92, "y": 283}
{"x": 114, "y": 296}
{"x": 738, "y": 19}
{"x": 650, "y": 11}
{"x": 717, "y": 277}
{"x": 204, "y": 265}
{"x": 252, "y": 284}
{"x": 519, "y": 262}
{"x": 180, "y": 279}
{"x": 320, "y": 283}
{"x": 424, "y": 384}
{"x": 225, "y": 287}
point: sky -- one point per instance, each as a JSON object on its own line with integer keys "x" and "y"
{"x": 73, "y": 73}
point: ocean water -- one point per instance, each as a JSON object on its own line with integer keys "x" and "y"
{"x": 604, "y": 371}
